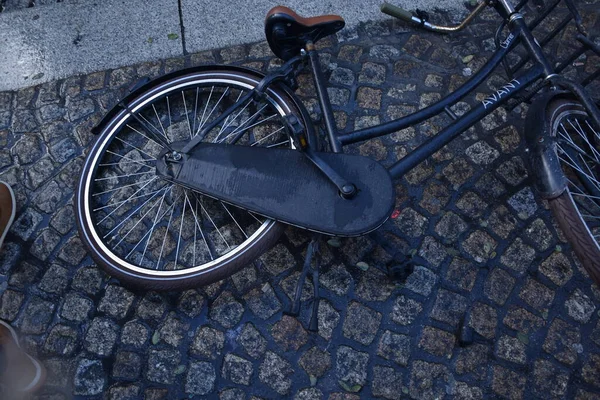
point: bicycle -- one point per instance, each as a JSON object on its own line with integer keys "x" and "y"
{"x": 168, "y": 195}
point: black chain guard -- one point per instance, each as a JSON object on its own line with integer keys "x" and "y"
{"x": 284, "y": 185}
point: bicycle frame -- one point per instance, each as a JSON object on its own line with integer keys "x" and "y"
{"x": 519, "y": 32}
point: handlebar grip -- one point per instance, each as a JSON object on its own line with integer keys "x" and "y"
{"x": 397, "y": 12}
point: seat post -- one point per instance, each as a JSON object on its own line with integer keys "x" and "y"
{"x": 323, "y": 96}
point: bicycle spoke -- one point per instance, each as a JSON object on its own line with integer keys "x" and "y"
{"x": 161, "y": 124}
{"x": 136, "y": 192}
{"x": 597, "y": 134}
{"x": 573, "y": 165}
{"x": 130, "y": 215}
{"x": 249, "y": 127}
{"x": 125, "y": 163}
{"x": 197, "y": 225}
{"x": 156, "y": 219}
{"x": 204, "y": 112}
{"x": 129, "y": 144}
{"x": 195, "y": 111}
{"x": 227, "y": 123}
{"x": 120, "y": 202}
{"x": 187, "y": 117}
{"x": 268, "y": 136}
{"x": 180, "y": 230}
{"x": 591, "y": 216}
{"x": 122, "y": 176}
{"x": 212, "y": 222}
{"x": 122, "y": 187}
{"x": 211, "y": 111}
{"x": 169, "y": 114}
{"x": 277, "y": 144}
{"x": 234, "y": 220}
{"x": 145, "y": 122}
{"x": 582, "y": 134}
{"x": 162, "y": 248}
{"x": 132, "y": 159}
{"x": 138, "y": 222}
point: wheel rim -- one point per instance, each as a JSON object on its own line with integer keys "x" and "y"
{"x": 578, "y": 148}
{"x": 149, "y": 226}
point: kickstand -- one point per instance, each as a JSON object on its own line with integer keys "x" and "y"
{"x": 312, "y": 251}
{"x": 314, "y": 318}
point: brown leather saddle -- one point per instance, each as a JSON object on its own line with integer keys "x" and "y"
{"x": 288, "y": 33}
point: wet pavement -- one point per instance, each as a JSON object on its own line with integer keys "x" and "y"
{"x": 493, "y": 264}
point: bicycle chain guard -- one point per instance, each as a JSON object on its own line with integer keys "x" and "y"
{"x": 284, "y": 185}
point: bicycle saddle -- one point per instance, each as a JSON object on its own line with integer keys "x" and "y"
{"x": 287, "y": 32}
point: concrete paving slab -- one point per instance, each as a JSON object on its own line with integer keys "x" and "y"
{"x": 209, "y": 25}
{"x": 50, "y": 42}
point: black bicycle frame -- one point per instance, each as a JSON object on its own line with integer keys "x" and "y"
{"x": 518, "y": 33}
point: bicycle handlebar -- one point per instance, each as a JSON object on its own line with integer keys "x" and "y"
{"x": 407, "y": 16}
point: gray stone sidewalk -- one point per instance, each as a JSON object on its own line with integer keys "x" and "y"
{"x": 55, "y": 40}
{"x": 494, "y": 260}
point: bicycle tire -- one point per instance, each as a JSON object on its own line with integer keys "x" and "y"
{"x": 577, "y": 209}
{"x": 121, "y": 157}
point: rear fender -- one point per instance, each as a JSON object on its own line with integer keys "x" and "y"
{"x": 146, "y": 84}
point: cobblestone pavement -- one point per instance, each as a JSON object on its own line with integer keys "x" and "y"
{"x": 493, "y": 259}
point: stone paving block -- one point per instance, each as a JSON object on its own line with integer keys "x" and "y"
{"x": 208, "y": 342}
{"x": 128, "y": 365}
{"x": 499, "y": 285}
{"x": 88, "y": 279}
{"x": 421, "y": 281}
{"x": 37, "y": 316}
{"x": 315, "y": 362}
{"x": 351, "y": 366}
{"x": 162, "y": 364}
{"x": 173, "y": 330}
{"x": 289, "y": 333}
{"x": 428, "y": 380}
{"x": 200, "y": 378}
{"x": 135, "y": 333}
{"x": 263, "y": 302}
{"x": 361, "y": 323}
{"x": 276, "y": 373}
{"x": 10, "y": 303}
{"x": 387, "y": 382}
{"x": 62, "y": 340}
{"x": 449, "y": 307}
{"x": 549, "y": 379}
{"x": 463, "y": 273}
{"x": 536, "y": 295}
{"x": 405, "y": 310}
{"x": 484, "y": 320}
{"x": 101, "y": 336}
{"x": 90, "y": 378}
{"x": 437, "y": 341}
{"x": 522, "y": 320}
{"x": 562, "y": 341}
{"x": 507, "y": 383}
{"x": 116, "y": 301}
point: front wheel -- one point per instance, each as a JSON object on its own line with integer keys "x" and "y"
{"x": 577, "y": 209}
{"x": 155, "y": 234}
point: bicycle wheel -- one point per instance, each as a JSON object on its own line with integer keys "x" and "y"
{"x": 152, "y": 233}
{"x": 577, "y": 209}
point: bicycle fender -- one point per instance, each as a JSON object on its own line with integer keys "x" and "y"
{"x": 146, "y": 84}
{"x": 544, "y": 165}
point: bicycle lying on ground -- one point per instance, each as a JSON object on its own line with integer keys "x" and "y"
{"x": 193, "y": 173}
